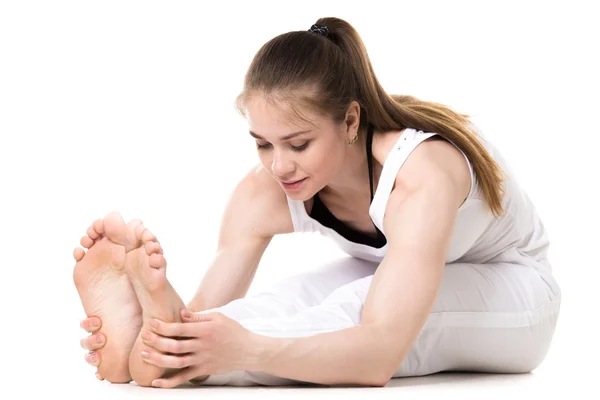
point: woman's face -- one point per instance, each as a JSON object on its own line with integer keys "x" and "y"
{"x": 302, "y": 157}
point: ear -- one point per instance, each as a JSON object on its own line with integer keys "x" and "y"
{"x": 352, "y": 120}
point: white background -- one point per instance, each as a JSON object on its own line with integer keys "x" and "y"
{"x": 128, "y": 106}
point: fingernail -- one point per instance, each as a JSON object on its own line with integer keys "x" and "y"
{"x": 145, "y": 354}
{"x": 99, "y": 339}
{"x": 146, "y": 336}
{"x": 156, "y": 383}
{"x": 92, "y": 358}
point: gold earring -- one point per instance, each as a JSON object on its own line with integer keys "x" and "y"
{"x": 350, "y": 142}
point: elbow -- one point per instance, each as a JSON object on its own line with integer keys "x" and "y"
{"x": 372, "y": 381}
{"x": 380, "y": 377}
{"x": 387, "y": 358}
{"x": 379, "y": 380}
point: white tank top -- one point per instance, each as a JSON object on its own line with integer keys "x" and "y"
{"x": 479, "y": 237}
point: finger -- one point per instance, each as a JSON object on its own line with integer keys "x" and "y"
{"x": 93, "y": 358}
{"x": 173, "y": 329}
{"x": 99, "y": 377}
{"x": 91, "y": 324}
{"x": 93, "y": 342}
{"x": 188, "y": 316}
{"x": 178, "y": 379}
{"x": 167, "y": 361}
{"x": 168, "y": 345}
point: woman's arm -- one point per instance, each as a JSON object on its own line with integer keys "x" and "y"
{"x": 418, "y": 223}
{"x": 400, "y": 298}
{"x": 256, "y": 211}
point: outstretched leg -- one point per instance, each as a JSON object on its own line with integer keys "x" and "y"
{"x": 298, "y": 292}
{"x": 497, "y": 318}
{"x": 106, "y": 292}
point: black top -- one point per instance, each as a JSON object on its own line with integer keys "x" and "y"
{"x": 321, "y": 214}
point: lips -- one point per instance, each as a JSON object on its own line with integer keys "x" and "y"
{"x": 292, "y": 182}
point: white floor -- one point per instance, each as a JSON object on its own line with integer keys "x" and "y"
{"x": 547, "y": 381}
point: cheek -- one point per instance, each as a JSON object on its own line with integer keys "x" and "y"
{"x": 326, "y": 163}
{"x": 265, "y": 159}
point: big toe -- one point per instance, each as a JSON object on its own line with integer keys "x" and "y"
{"x": 118, "y": 232}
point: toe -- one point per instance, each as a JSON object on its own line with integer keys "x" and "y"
{"x": 132, "y": 225}
{"x": 86, "y": 242}
{"x": 152, "y": 248}
{"x": 147, "y": 236}
{"x": 139, "y": 230}
{"x": 96, "y": 230}
{"x": 78, "y": 253}
{"x": 157, "y": 261}
{"x": 92, "y": 233}
{"x": 118, "y": 232}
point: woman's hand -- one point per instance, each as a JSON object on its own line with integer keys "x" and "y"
{"x": 93, "y": 342}
{"x": 204, "y": 344}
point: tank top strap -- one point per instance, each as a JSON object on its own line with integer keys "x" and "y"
{"x": 405, "y": 144}
{"x": 300, "y": 219}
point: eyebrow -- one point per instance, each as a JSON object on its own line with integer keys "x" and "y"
{"x": 286, "y": 137}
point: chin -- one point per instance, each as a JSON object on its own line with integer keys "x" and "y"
{"x": 300, "y": 195}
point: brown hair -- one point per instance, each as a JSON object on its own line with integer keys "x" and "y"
{"x": 327, "y": 73}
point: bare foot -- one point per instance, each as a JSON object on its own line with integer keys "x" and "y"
{"x": 107, "y": 293}
{"x": 146, "y": 268}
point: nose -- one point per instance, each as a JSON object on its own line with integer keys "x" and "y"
{"x": 282, "y": 166}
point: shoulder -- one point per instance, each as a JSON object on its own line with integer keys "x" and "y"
{"x": 260, "y": 204}
{"x": 435, "y": 163}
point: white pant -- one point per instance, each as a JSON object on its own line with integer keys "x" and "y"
{"x": 497, "y": 317}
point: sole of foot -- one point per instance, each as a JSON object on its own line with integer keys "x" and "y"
{"x": 146, "y": 267}
{"x": 106, "y": 292}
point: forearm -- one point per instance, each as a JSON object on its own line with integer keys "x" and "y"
{"x": 228, "y": 278}
{"x": 356, "y": 355}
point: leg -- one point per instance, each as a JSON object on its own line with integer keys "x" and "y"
{"x": 496, "y": 318}
{"x": 298, "y": 292}
{"x": 488, "y": 318}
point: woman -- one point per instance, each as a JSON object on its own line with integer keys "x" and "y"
{"x": 448, "y": 267}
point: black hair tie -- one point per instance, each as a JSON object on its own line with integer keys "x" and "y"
{"x": 319, "y": 30}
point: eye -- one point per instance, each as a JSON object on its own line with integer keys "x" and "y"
{"x": 294, "y": 148}
{"x": 300, "y": 148}
{"x": 262, "y": 146}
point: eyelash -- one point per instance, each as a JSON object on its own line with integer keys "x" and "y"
{"x": 294, "y": 148}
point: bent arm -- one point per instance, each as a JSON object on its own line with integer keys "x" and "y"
{"x": 229, "y": 275}
{"x": 419, "y": 222}
{"x": 256, "y": 211}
